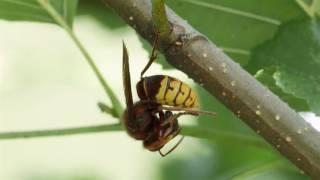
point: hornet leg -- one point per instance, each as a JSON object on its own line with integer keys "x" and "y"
{"x": 153, "y": 54}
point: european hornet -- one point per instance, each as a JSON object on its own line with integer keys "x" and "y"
{"x": 151, "y": 119}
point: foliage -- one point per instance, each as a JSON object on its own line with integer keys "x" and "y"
{"x": 294, "y": 52}
{"x": 254, "y": 33}
{"x": 63, "y": 13}
{"x": 276, "y": 40}
{"x": 268, "y": 77}
{"x": 31, "y": 10}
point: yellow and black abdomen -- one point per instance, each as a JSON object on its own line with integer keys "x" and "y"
{"x": 167, "y": 90}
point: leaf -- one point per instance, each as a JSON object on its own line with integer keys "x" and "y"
{"x": 159, "y": 17}
{"x": 66, "y": 8}
{"x": 267, "y": 77}
{"x": 295, "y": 53}
{"x": 102, "y": 13}
{"x": 237, "y": 25}
{"x": 30, "y": 10}
{"x": 316, "y": 7}
{"x": 311, "y": 7}
{"x": 276, "y": 170}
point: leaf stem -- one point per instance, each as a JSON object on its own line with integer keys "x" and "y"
{"x": 21, "y": 3}
{"x": 236, "y": 51}
{"x": 191, "y": 131}
{"x": 59, "y": 132}
{"x": 234, "y": 11}
{"x": 313, "y": 7}
{"x": 160, "y": 18}
{"x": 307, "y": 9}
{"x": 55, "y": 15}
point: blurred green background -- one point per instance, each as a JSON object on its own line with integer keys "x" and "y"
{"x": 45, "y": 83}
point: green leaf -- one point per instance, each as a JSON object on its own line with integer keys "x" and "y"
{"x": 159, "y": 17}
{"x": 276, "y": 170}
{"x": 267, "y": 77}
{"x": 295, "y": 53}
{"x": 100, "y": 12}
{"x": 30, "y": 10}
{"x": 66, "y": 8}
{"x": 310, "y": 7}
{"x": 316, "y": 7}
{"x": 237, "y": 26}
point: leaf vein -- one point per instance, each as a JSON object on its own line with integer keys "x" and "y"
{"x": 27, "y": 15}
{"x": 236, "y": 51}
{"x": 25, "y": 4}
{"x": 235, "y": 12}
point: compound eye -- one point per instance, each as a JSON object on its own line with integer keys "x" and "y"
{"x": 143, "y": 121}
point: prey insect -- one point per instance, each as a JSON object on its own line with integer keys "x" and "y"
{"x": 151, "y": 119}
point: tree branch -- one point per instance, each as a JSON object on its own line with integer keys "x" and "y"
{"x": 263, "y": 111}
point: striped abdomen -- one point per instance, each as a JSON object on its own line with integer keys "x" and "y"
{"x": 167, "y": 90}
